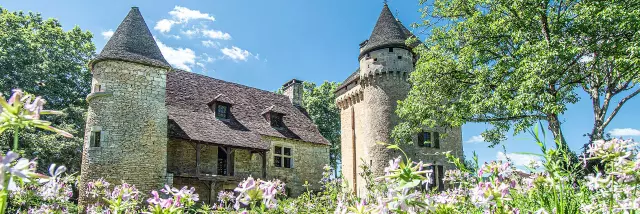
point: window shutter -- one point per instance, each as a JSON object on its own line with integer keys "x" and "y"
{"x": 92, "y": 139}
{"x": 440, "y": 178}
{"x": 436, "y": 140}
{"x": 421, "y": 139}
{"x": 103, "y": 137}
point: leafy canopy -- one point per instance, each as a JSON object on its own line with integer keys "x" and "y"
{"x": 319, "y": 104}
{"x": 513, "y": 63}
{"x": 38, "y": 56}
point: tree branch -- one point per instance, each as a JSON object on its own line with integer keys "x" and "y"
{"x": 544, "y": 21}
{"x": 482, "y": 120}
{"x": 615, "y": 110}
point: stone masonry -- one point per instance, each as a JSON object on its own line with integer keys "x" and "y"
{"x": 130, "y": 112}
{"x": 308, "y": 158}
{"x": 368, "y": 102}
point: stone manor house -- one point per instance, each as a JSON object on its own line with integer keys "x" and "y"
{"x": 368, "y": 98}
{"x": 149, "y": 125}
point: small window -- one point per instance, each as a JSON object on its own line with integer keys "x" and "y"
{"x": 222, "y": 111}
{"x": 429, "y": 139}
{"x": 276, "y": 120}
{"x": 399, "y": 57}
{"x": 282, "y": 157}
{"x": 95, "y": 138}
{"x": 97, "y": 88}
{"x": 375, "y": 59}
{"x": 390, "y": 49}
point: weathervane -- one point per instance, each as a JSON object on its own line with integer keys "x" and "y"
{"x": 385, "y": 1}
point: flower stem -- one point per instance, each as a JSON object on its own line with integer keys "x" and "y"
{"x": 4, "y": 194}
{"x": 16, "y": 133}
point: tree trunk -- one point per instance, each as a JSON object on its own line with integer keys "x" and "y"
{"x": 556, "y": 130}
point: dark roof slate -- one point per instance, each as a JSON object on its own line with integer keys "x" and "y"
{"x": 354, "y": 76}
{"x": 190, "y": 116}
{"x": 388, "y": 32}
{"x": 132, "y": 42}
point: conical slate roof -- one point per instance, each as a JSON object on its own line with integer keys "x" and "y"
{"x": 132, "y": 42}
{"x": 388, "y": 32}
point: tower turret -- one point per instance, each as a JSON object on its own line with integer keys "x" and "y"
{"x": 126, "y": 128}
{"x": 368, "y": 100}
{"x": 385, "y": 64}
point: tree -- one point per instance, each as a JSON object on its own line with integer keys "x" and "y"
{"x": 513, "y": 63}
{"x": 319, "y": 102}
{"x": 38, "y": 56}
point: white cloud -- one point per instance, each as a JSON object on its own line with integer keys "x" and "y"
{"x": 182, "y": 58}
{"x": 183, "y": 14}
{"x": 210, "y": 44}
{"x": 107, "y": 34}
{"x": 475, "y": 139}
{"x": 164, "y": 25}
{"x": 624, "y": 132}
{"x": 236, "y": 54}
{"x": 517, "y": 159}
{"x": 215, "y": 34}
{"x": 190, "y": 32}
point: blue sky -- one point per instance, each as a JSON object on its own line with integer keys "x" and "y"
{"x": 263, "y": 44}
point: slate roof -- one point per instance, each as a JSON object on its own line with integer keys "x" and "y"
{"x": 388, "y": 32}
{"x": 132, "y": 42}
{"x": 354, "y": 76}
{"x": 190, "y": 117}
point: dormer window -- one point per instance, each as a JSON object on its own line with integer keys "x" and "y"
{"x": 222, "y": 111}
{"x": 273, "y": 115}
{"x": 276, "y": 120}
{"x": 221, "y": 107}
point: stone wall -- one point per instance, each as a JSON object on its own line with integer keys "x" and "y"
{"x": 308, "y": 161}
{"x": 130, "y": 111}
{"x": 372, "y": 104}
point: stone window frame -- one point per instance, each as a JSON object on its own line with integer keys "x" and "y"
{"x": 102, "y": 136}
{"x": 281, "y": 154}
{"x": 390, "y": 50}
{"x": 434, "y": 139}
{"x": 97, "y": 86}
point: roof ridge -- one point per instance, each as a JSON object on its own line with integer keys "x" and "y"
{"x": 238, "y": 84}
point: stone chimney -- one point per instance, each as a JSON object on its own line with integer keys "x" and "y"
{"x": 293, "y": 90}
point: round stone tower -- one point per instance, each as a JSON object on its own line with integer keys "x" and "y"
{"x": 385, "y": 63}
{"x": 368, "y": 101}
{"x": 126, "y": 130}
